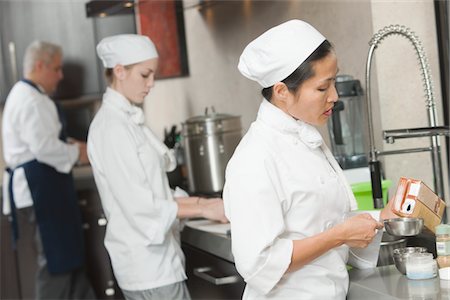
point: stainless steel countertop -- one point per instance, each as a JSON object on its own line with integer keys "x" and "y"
{"x": 213, "y": 243}
{"x": 388, "y": 283}
{"x": 377, "y": 283}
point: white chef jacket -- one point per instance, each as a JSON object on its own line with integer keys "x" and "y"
{"x": 30, "y": 130}
{"x": 129, "y": 166}
{"x": 283, "y": 184}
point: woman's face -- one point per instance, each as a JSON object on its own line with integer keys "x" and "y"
{"x": 138, "y": 79}
{"x": 314, "y": 100}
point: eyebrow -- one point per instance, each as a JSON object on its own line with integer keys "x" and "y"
{"x": 331, "y": 78}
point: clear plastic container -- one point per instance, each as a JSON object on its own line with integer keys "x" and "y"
{"x": 421, "y": 266}
{"x": 443, "y": 245}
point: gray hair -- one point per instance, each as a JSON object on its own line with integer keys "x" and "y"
{"x": 39, "y": 50}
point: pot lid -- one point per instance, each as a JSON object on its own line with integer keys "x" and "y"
{"x": 210, "y": 116}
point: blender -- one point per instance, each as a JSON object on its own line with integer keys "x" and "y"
{"x": 347, "y": 124}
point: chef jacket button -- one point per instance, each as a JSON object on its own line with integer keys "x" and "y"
{"x": 295, "y": 141}
{"x": 322, "y": 181}
{"x": 328, "y": 225}
{"x": 342, "y": 268}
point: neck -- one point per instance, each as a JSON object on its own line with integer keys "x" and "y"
{"x": 280, "y": 105}
{"x": 35, "y": 79}
{"x": 118, "y": 88}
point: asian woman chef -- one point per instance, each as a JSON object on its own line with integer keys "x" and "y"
{"x": 129, "y": 165}
{"x": 285, "y": 195}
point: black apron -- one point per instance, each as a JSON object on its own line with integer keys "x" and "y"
{"x": 57, "y": 214}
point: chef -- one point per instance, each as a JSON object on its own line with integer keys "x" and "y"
{"x": 38, "y": 187}
{"x": 286, "y": 197}
{"x": 130, "y": 166}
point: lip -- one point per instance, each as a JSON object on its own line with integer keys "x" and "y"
{"x": 328, "y": 112}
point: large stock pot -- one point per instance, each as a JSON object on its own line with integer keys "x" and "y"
{"x": 209, "y": 142}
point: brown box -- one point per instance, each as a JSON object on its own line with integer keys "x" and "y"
{"x": 414, "y": 199}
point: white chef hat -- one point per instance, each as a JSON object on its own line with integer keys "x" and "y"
{"x": 125, "y": 49}
{"x": 279, "y": 51}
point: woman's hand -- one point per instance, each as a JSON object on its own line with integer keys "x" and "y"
{"x": 358, "y": 231}
{"x": 213, "y": 209}
{"x": 387, "y": 212}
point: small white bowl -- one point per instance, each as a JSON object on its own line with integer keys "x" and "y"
{"x": 444, "y": 273}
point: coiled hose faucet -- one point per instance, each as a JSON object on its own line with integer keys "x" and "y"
{"x": 432, "y": 131}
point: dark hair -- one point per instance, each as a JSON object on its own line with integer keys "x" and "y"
{"x": 303, "y": 72}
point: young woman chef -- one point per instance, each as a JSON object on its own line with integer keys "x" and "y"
{"x": 285, "y": 195}
{"x": 130, "y": 166}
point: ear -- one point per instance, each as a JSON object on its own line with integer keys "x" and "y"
{"x": 38, "y": 65}
{"x": 280, "y": 91}
{"x": 119, "y": 72}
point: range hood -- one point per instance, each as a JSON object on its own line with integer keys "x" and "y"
{"x": 105, "y": 8}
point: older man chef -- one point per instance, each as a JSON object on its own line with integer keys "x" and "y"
{"x": 38, "y": 182}
{"x": 286, "y": 197}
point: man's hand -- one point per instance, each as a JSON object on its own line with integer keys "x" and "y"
{"x": 82, "y": 156}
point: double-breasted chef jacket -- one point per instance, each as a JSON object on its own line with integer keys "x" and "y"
{"x": 283, "y": 184}
{"x": 129, "y": 166}
{"x": 39, "y": 163}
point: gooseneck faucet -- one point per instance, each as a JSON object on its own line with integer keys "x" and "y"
{"x": 432, "y": 131}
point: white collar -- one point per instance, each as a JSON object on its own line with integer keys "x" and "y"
{"x": 116, "y": 99}
{"x": 279, "y": 120}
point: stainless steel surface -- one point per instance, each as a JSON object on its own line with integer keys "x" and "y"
{"x": 387, "y": 283}
{"x": 209, "y": 274}
{"x": 429, "y": 95}
{"x": 213, "y": 243}
{"x": 403, "y": 226}
{"x": 209, "y": 142}
{"x": 391, "y": 135}
{"x": 404, "y": 151}
{"x": 13, "y": 61}
{"x": 63, "y": 23}
{"x": 400, "y": 256}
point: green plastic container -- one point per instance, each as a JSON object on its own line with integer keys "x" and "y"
{"x": 363, "y": 193}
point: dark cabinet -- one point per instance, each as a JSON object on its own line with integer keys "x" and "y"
{"x": 211, "y": 277}
{"x": 18, "y": 268}
{"x": 97, "y": 259}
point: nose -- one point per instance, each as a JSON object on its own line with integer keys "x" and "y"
{"x": 333, "y": 97}
{"x": 150, "y": 82}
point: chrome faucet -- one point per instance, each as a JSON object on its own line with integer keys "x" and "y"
{"x": 433, "y": 131}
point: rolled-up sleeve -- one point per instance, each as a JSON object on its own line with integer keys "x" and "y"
{"x": 40, "y": 131}
{"x": 253, "y": 204}
{"x": 122, "y": 179}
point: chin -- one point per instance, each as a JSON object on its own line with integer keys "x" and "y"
{"x": 138, "y": 100}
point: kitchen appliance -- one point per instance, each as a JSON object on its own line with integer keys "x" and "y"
{"x": 209, "y": 142}
{"x": 433, "y": 131}
{"x": 347, "y": 124}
